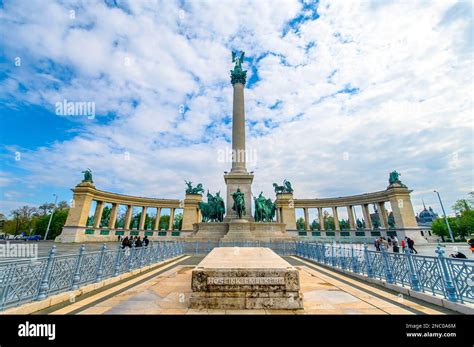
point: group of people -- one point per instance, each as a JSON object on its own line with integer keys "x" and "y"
{"x": 392, "y": 242}
{"x": 135, "y": 242}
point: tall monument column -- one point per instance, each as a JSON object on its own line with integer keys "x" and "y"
{"x": 238, "y": 177}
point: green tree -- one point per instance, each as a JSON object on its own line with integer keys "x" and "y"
{"x": 463, "y": 205}
{"x": 178, "y": 221}
{"x": 104, "y": 220}
{"x": 57, "y": 223}
{"x": 164, "y": 222}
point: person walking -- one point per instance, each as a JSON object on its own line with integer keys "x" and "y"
{"x": 138, "y": 242}
{"x": 125, "y": 242}
{"x": 411, "y": 245}
{"x": 146, "y": 241}
{"x": 385, "y": 243}
{"x": 404, "y": 244}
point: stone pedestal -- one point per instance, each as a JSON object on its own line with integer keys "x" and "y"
{"x": 244, "y": 182}
{"x": 191, "y": 210}
{"x": 286, "y": 205}
{"x": 239, "y": 230}
{"x": 245, "y": 278}
{"x": 210, "y": 231}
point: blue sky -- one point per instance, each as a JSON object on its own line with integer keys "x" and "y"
{"x": 339, "y": 94}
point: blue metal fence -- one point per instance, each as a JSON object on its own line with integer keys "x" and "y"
{"x": 36, "y": 279}
{"x": 29, "y": 280}
{"x": 438, "y": 275}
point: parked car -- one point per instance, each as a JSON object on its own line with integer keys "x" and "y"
{"x": 32, "y": 238}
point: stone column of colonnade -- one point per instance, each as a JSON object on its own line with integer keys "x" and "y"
{"x": 98, "y": 213}
{"x": 141, "y": 226}
{"x": 170, "y": 224}
{"x": 156, "y": 225}
{"x": 128, "y": 217}
{"x": 336, "y": 218}
{"x": 306, "y": 219}
{"x": 367, "y": 219}
{"x": 382, "y": 212}
{"x": 352, "y": 222}
{"x": 321, "y": 219}
{"x": 113, "y": 216}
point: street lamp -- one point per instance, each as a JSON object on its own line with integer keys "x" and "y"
{"x": 51, "y": 217}
{"x": 445, "y": 217}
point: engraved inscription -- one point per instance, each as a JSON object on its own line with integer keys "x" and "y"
{"x": 246, "y": 280}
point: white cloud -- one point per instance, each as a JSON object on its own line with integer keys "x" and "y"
{"x": 411, "y": 111}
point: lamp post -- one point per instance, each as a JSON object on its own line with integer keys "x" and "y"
{"x": 445, "y": 216}
{"x": 51, "y": 217}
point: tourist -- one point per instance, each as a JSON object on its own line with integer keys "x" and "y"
{"x": 389, "y": 241}
{"x": 138, "y": 242}
{"x": 377, "y": 245}
{"x": 458, "y": 255}
{"x": 146, "y": 241}
{"x": 404, "y": 244}
{"x": 471, "y": 244}
{"x": 385, "y": 243}
{"x": 395, "y": 247}
{"x": 411, "y": 245}
{"x": 125, "y": 242}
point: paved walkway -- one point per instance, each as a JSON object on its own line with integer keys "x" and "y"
{"x": 166, "y": 290}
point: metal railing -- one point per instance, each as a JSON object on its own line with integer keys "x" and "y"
{"x": 29, "y": 280}
{"x": 452, "y": 278}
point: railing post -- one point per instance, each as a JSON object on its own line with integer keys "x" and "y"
{"x": 448, "y": 282}
{"x": 323, "y": 252}
{"x": 415, "y": 284}
{"x": 117, "y": 260}
{"x": 43, "y": 290}
{"x": 100, "y": 267}
{"x": 388, "y": 269}
{"x": 130, "y": 259}
{"x": 141, "y": 255}
{"x": 77, "y": 272}
{"x": 370, "y": 270}
{"x": 333, "y": 258}
{"x": 355, "y": 264}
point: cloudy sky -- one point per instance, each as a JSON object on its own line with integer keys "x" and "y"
{"x": 339, "y": 93}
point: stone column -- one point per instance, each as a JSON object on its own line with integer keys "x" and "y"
{"x": 141, "y": 226}
{"x": 306, "y": 218}
{"x": 403, "y": 214}
{"x": 113, "y": 216}
{"x": 74, "y": 227}
{"x": 278, "y": 215}
{"x": 170, "y": 226}
{"x": 285, "y": 202}
{"x": 382, "y": 212}
{"x": 79, "y": 211}
{"x": 128, "y": 217}
{"x": 402, "y": 208}
{"x": 191, "y": 210}
{"x": 238, "y": 176}
{"x": 336, "y": 218}
{"x": 350, "y": 214}
{"x": 238, "y": 130}
{"x": 98, "y": 213}
{"x": 156, "y": 226}
{"x": 367, "y": 219}
{"x": 321, "y": 219}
